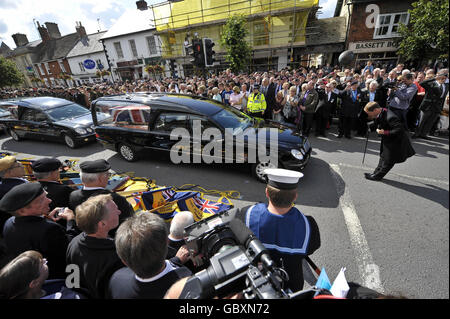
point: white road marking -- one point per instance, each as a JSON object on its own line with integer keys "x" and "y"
{"x": 418, "y": 178}
{"x": 368, "y": 270}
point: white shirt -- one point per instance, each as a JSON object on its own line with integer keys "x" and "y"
{"x": 168, "y": 268}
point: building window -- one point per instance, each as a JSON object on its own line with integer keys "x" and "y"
{"x": 119, "y": 51}
{"x": 387, "y": 25}
{"x": 260, "y": 33}
{"x": 133, "y": 47}
{"x": 61, "y": 64}
{"x": 42, "y": 70}
{"x": 81, "y": 65}
{"x": 49, "y": 70}
{"x": 151, "y": 45}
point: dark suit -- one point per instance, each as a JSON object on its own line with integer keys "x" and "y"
{"x": 362, "y": 116}
{"x": 395, "y": 143}
{"x": 349, "y": 111}
{"x": 270, "y": 100}
{"x": 45, "y": 236}
{"x": 79, "y": 196}
{"x": 309, "y": 100}
{"x": 323, "y": 110}
{"x": 431, "y": 106}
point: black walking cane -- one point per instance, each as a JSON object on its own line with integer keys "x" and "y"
{"x": 365, "y": 148}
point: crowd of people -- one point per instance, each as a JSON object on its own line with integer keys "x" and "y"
{"x": 307, "y": 98}
{"x": 88, "y": 243}
{"x": 50, "y": 232}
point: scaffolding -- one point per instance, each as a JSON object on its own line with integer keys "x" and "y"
{"x": 272, "y": 24}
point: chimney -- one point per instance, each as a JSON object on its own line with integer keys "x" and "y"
{"x": 142, "y": 5}
{"x": 43, "y": 32}
{"x": 53, "y": 30}
{"x": 80, "y": 30}
{"x": 20, "y": 39}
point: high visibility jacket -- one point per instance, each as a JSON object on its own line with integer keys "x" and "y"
{"x": 256, "y": 103}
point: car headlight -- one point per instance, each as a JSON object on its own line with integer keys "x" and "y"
{"x": 297, "y": 154}
{"x": 80, "y": 131}
{"x": 89, "y": 130}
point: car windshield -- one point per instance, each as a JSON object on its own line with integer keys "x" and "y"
{"x": 67, "y": 111}
{"x": 230, "y": 118}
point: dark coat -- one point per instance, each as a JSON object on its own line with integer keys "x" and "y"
{"x": 58, "y": 193}
{"x": 45, "y": 236}
{"x": 395, "y": 146}
{"x": 432, "y": 100}
{"x": 97, "y": 259}
{"x": 324, "y": 106}
{"x": 6, "y": 184}
{"x": 348, "y": 107}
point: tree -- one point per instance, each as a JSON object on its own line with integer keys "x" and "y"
{"x": 426, "y": 35}
{"x": 233, "y": 39}
{"x": 9, "y": 74}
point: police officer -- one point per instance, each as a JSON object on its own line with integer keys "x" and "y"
{"x": 282, "y": 228}
{"x": 94, "y": 176}
{"x": 256, "y": 104}
{"x": 46, "y": 171}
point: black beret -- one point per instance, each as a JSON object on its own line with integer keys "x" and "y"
{"x": 98, "y": 166}
{"x": 20, "y": 196}
{"x": 46, "y": 165}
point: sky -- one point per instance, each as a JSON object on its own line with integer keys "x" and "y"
{"x": 18, "y": 16}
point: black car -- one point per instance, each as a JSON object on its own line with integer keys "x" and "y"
{"x": 49, "y": 119}
{"x": 145, "y": 121}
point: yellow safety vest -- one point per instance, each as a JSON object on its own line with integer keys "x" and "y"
{"x": 256, "y": 103}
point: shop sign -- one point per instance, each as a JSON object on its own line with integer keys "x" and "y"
{"x": 373, "y": 46}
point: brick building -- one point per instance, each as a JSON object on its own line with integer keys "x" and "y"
{"x": 372, "y": 30}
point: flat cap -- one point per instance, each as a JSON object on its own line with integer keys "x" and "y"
{"x": 283, "y": 178}
{"x": 6, "y": 162}
{"x": 46, "y": 165}
{"x": 20, "y": 196}
{"x": 97, "y": 166}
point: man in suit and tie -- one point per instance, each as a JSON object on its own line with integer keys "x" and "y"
{"x": 327, "y": 102}
{"x": 432, "y": 104}
{"x": 270, "y": 97}
{"x": 350, "y": 106}
{"x": 369, "y": 94}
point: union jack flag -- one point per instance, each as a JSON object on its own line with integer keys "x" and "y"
{"x": 206, "y": 205}
{"x": 168, "y": 193}
{"x": 138, "y": 114}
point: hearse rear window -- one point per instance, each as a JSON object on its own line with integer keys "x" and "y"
{"x": 125, "y": 114}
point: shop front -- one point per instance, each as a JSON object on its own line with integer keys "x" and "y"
{"x": 383, "y": 53}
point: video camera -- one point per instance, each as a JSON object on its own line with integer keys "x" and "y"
{"x": 238, "y": 262}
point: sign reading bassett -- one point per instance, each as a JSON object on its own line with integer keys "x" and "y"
{"x": 373, "y": 46}
{"x": 89, "y": 64}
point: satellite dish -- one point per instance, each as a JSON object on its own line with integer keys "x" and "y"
{"x": 346, "y": 57}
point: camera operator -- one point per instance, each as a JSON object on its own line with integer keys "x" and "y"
{"x": 288, "y": 235}
{"x": 400, "y": 96}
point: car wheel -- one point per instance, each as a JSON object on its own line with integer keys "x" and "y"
{"x": 69, "y": 141}
{"x": 258, "y": 170}
{"x": 14, "y": 135}
{"x": 128, "y": 153}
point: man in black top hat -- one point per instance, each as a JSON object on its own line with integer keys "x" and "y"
{"x": 33, "y": 227}
{"x": 46, "y": 171}
{"x": 94, "y": 176}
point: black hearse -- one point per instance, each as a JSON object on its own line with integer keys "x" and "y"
{"x": 145, "y": 121}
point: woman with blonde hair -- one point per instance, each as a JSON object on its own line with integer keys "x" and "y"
{"x": 236, "y": 98}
